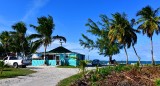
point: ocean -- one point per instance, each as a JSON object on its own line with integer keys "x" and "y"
{"x": 131, "y": 62}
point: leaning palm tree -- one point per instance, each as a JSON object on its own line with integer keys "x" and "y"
{"x": 87, "y": 43}
{"x": 102, "y": 43}
{"x": 134, "y": 39}
{"x": 44, "y": 30}
{"x": 120, "y": 31}
{"x": 149, "y": 23}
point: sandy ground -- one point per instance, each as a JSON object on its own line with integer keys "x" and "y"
{"x": 45, "y": 76}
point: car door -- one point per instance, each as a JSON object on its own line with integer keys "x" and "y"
{"x": 12, "y": 59}
{"x": 5, "y": 60}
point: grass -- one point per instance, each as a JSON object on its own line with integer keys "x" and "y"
{"x": 13, "y": 72}
{"x": 100, "y": 71}
{"x": 157, "y": 81}
{"x": 66, "y": 67}
{"x": 69, "y": 80}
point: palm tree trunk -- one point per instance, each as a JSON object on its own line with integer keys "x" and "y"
{"x": 23, "y": 50}
{"x": 6, "y": 50}
{"x": 45, "y": 54}
{"x": 110, "y": 59}
{"x": 153, "y": 63}
{"x": 126, "y": 55}
{"x": 88, "y": 54}
{"x": 136, "y": 54}
{"x": 1, "y": 70}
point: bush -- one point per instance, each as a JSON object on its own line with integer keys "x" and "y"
{"x": 158, "y": 82}
{"x": 100, "y": 73}
{"x": 82, "y": 66}
{"x": 2, "y": 66}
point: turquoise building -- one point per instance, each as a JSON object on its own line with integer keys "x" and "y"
{"x": 59, "y": 56}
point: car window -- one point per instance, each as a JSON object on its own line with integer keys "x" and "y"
{"x": 5, "y": 58}
{"x": 13, "y": 58}
{"x": 95, "y": 60}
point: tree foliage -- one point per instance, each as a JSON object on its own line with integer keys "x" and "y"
{"x": 149, "y": 23}
{"x": 100, "y": 30}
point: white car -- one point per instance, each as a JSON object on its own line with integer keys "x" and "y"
{"x": 13, "y": 61}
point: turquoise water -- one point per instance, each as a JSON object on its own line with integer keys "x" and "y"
{"x": 123, "y": 62}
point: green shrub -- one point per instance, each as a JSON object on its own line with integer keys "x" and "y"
{"x": 82, "y": 65}
{"x": 104, "y": 71}
{"x": 2, "y": 66}
{"x": 158, "y": 82}
{"x": 120, "y": 68}
{"x": 100, "y": 72}
{"x": 94, "y": 77}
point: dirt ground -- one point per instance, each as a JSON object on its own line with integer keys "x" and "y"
{"x": 45, "y": 76}
{"x": 142, "y": 76}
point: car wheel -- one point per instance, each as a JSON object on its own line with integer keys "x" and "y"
{"x": 15, "y": 65}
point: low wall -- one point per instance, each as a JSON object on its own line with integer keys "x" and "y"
{"x": 71, "y": 62}
{"x": 52, "y": 62}
{"x": 37, "y": 62}
{"x": 41, "y": 62}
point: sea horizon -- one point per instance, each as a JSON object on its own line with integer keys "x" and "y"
{"x": 130, "y": 62}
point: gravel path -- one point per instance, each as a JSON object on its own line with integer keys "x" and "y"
{"x": 45, "y": 76}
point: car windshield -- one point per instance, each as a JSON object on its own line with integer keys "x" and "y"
{"x": 13, "y": 58}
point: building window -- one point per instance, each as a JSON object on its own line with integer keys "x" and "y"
{"x": 54, "y": 57}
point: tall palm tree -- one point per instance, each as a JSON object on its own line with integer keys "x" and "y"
{"x": 134, "y": 39}
{"x": 149, "y": 23}
{"x": 44, "y": 30}
{"x": 19, "y": 40}
{"x": 120, "y": 31}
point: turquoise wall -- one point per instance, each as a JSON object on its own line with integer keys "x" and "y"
{"x": 37, "y": 62}
{"x": 52, "y": 62}
{"x": 41, "y": 62}
{"x": 62, "y": 56}
{"x": 70, "y": 61}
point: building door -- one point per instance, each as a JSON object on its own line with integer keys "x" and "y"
{"x": 58, "y": 60}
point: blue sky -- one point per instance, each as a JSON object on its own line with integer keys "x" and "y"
{"x": 70, "y": 17}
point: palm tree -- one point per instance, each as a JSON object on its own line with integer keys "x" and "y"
{"x": 88, "y": 43}
{"x": 102, "y": 43}
{"x": 19, "y": 40}
{"x": 134, "y": 39}
{"x": 4, "y": 39}
{"x": 44, "y": 30}
{"x": 149, "y": 23}
{"x": 120, "y": 31}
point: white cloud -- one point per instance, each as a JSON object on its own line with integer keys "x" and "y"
{"x": 37, "y": 5}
